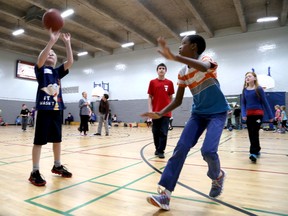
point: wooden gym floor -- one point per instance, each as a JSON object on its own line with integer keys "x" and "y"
{"x": 113, "y": 175}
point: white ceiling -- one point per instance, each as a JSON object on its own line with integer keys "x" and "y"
{"x": 101, "y": 26}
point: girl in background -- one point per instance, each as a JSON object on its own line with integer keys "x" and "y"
{"x": 283, "y": 119}
{"x": 253, "y": 105}
{"x": 277, "y": 120}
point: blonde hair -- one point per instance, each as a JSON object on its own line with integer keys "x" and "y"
{"x": 277, "y": 106}
{"x": 255, "y": 83}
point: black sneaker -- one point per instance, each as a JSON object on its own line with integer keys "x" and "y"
{"x": 161, "y": 155}
{"x": 156, "y": 152}
{"x": 62, "y": 170}
{"x": 97, "y": 134}
{"x": 253, "y": 158}
{"x": 36, "y": 179}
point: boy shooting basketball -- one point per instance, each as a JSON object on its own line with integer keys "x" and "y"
{"x": 49, "y": 105}
{"x": 209, "y": 113}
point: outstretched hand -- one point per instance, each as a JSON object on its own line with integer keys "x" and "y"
{"x": 54, "y": 35}
{"x": 66, "y": 37}
{"x": 164, "y": 50}
{"x": 152, "y": 115}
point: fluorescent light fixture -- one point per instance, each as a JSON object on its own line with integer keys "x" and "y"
{"x": 267, "y": 19}
{"x": 67, "y": 13}
{"x": 18, "y": 32}
{"x": 120, "y": 67}
{"x": 182, "y": 34}
{"x": 266, "y": 47}
{"x": 82, "y": 53}
{"x": 231, "y": 97}
{"x": 127, "y": 44}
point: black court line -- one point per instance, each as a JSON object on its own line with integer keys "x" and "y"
{"x": 196, "y": 191}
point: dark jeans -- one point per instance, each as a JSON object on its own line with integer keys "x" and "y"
{"x": 253, "y": 125}
{"x": 24, "y": 123}
{"x": 238, "y": 122}
{"x": 84, "y": 123}
{"x": 68, "y": 121}
{"x": 160, "y": 132}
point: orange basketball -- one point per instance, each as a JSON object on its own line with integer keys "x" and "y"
{"x": 52, "y": 20}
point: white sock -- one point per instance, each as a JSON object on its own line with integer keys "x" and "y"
{"x": 35, "y": 168}
{"x": 167, "y": 192}
{"x": 57, "y": 163}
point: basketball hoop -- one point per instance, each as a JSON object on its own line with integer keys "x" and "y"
{"x": 97, "y": 92}
{"x": 267, "y": 82}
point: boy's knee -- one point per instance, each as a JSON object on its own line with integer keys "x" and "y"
{"x": 209, "y": 156}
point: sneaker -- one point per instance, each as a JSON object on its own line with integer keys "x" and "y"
{"x": 156, "y": 152}
{"x": 62, "y": 170}
{"x": 106, "y": 134}
{"x": 253, "y": 158}
{"x": 97, "y": 134}
{"x": 161, "y": 201}
{"x": 161, "y": 155}
{"x": 36, "y": 179}
{"x": 217, "y": 186}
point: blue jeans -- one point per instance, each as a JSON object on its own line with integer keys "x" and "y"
{"x": 214, "y": 123}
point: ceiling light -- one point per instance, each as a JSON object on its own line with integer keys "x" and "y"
{"x": 18, "y": 32}
{"x": 67, "y": 13}
{"x": 182, "y": 34}
{"x": 82, "y": 53}
{"x": 267, "y": 19}
{"x": 127, "y": 44}
{"x": 187, "y": 32}
{"x": 120, "y": 67}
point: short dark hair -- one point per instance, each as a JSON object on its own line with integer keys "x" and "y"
{"x": 201, "y": 44}
{"x": 161, "y": 64}
{"x": 106, "y": 96}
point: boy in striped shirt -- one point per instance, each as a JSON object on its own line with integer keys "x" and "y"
{"x": 209, "y": 112}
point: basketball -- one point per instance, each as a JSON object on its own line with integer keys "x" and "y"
{"x": 52, "y": 20}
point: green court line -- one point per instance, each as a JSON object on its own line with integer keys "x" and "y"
{"x": 149, "y": 192}
{"x": 89, "y": 180}
{"x": 123, "y": 187}
{"x": 48, "y": 208}
{"x": 113, "y": 191}
{"x": 263, "y": 211}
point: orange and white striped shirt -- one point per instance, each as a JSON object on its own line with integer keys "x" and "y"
{"x": 205, "y": 88}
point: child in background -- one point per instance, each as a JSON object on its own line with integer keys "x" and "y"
{"x": 277, "y": 119}
{"x": 253, "y": 106}
{"x": 24, "y": 113}
{"x": 283, "y": 119}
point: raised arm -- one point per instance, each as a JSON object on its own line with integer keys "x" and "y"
{"x": 165, "y": 51}
{"x": 66, "y": 37}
